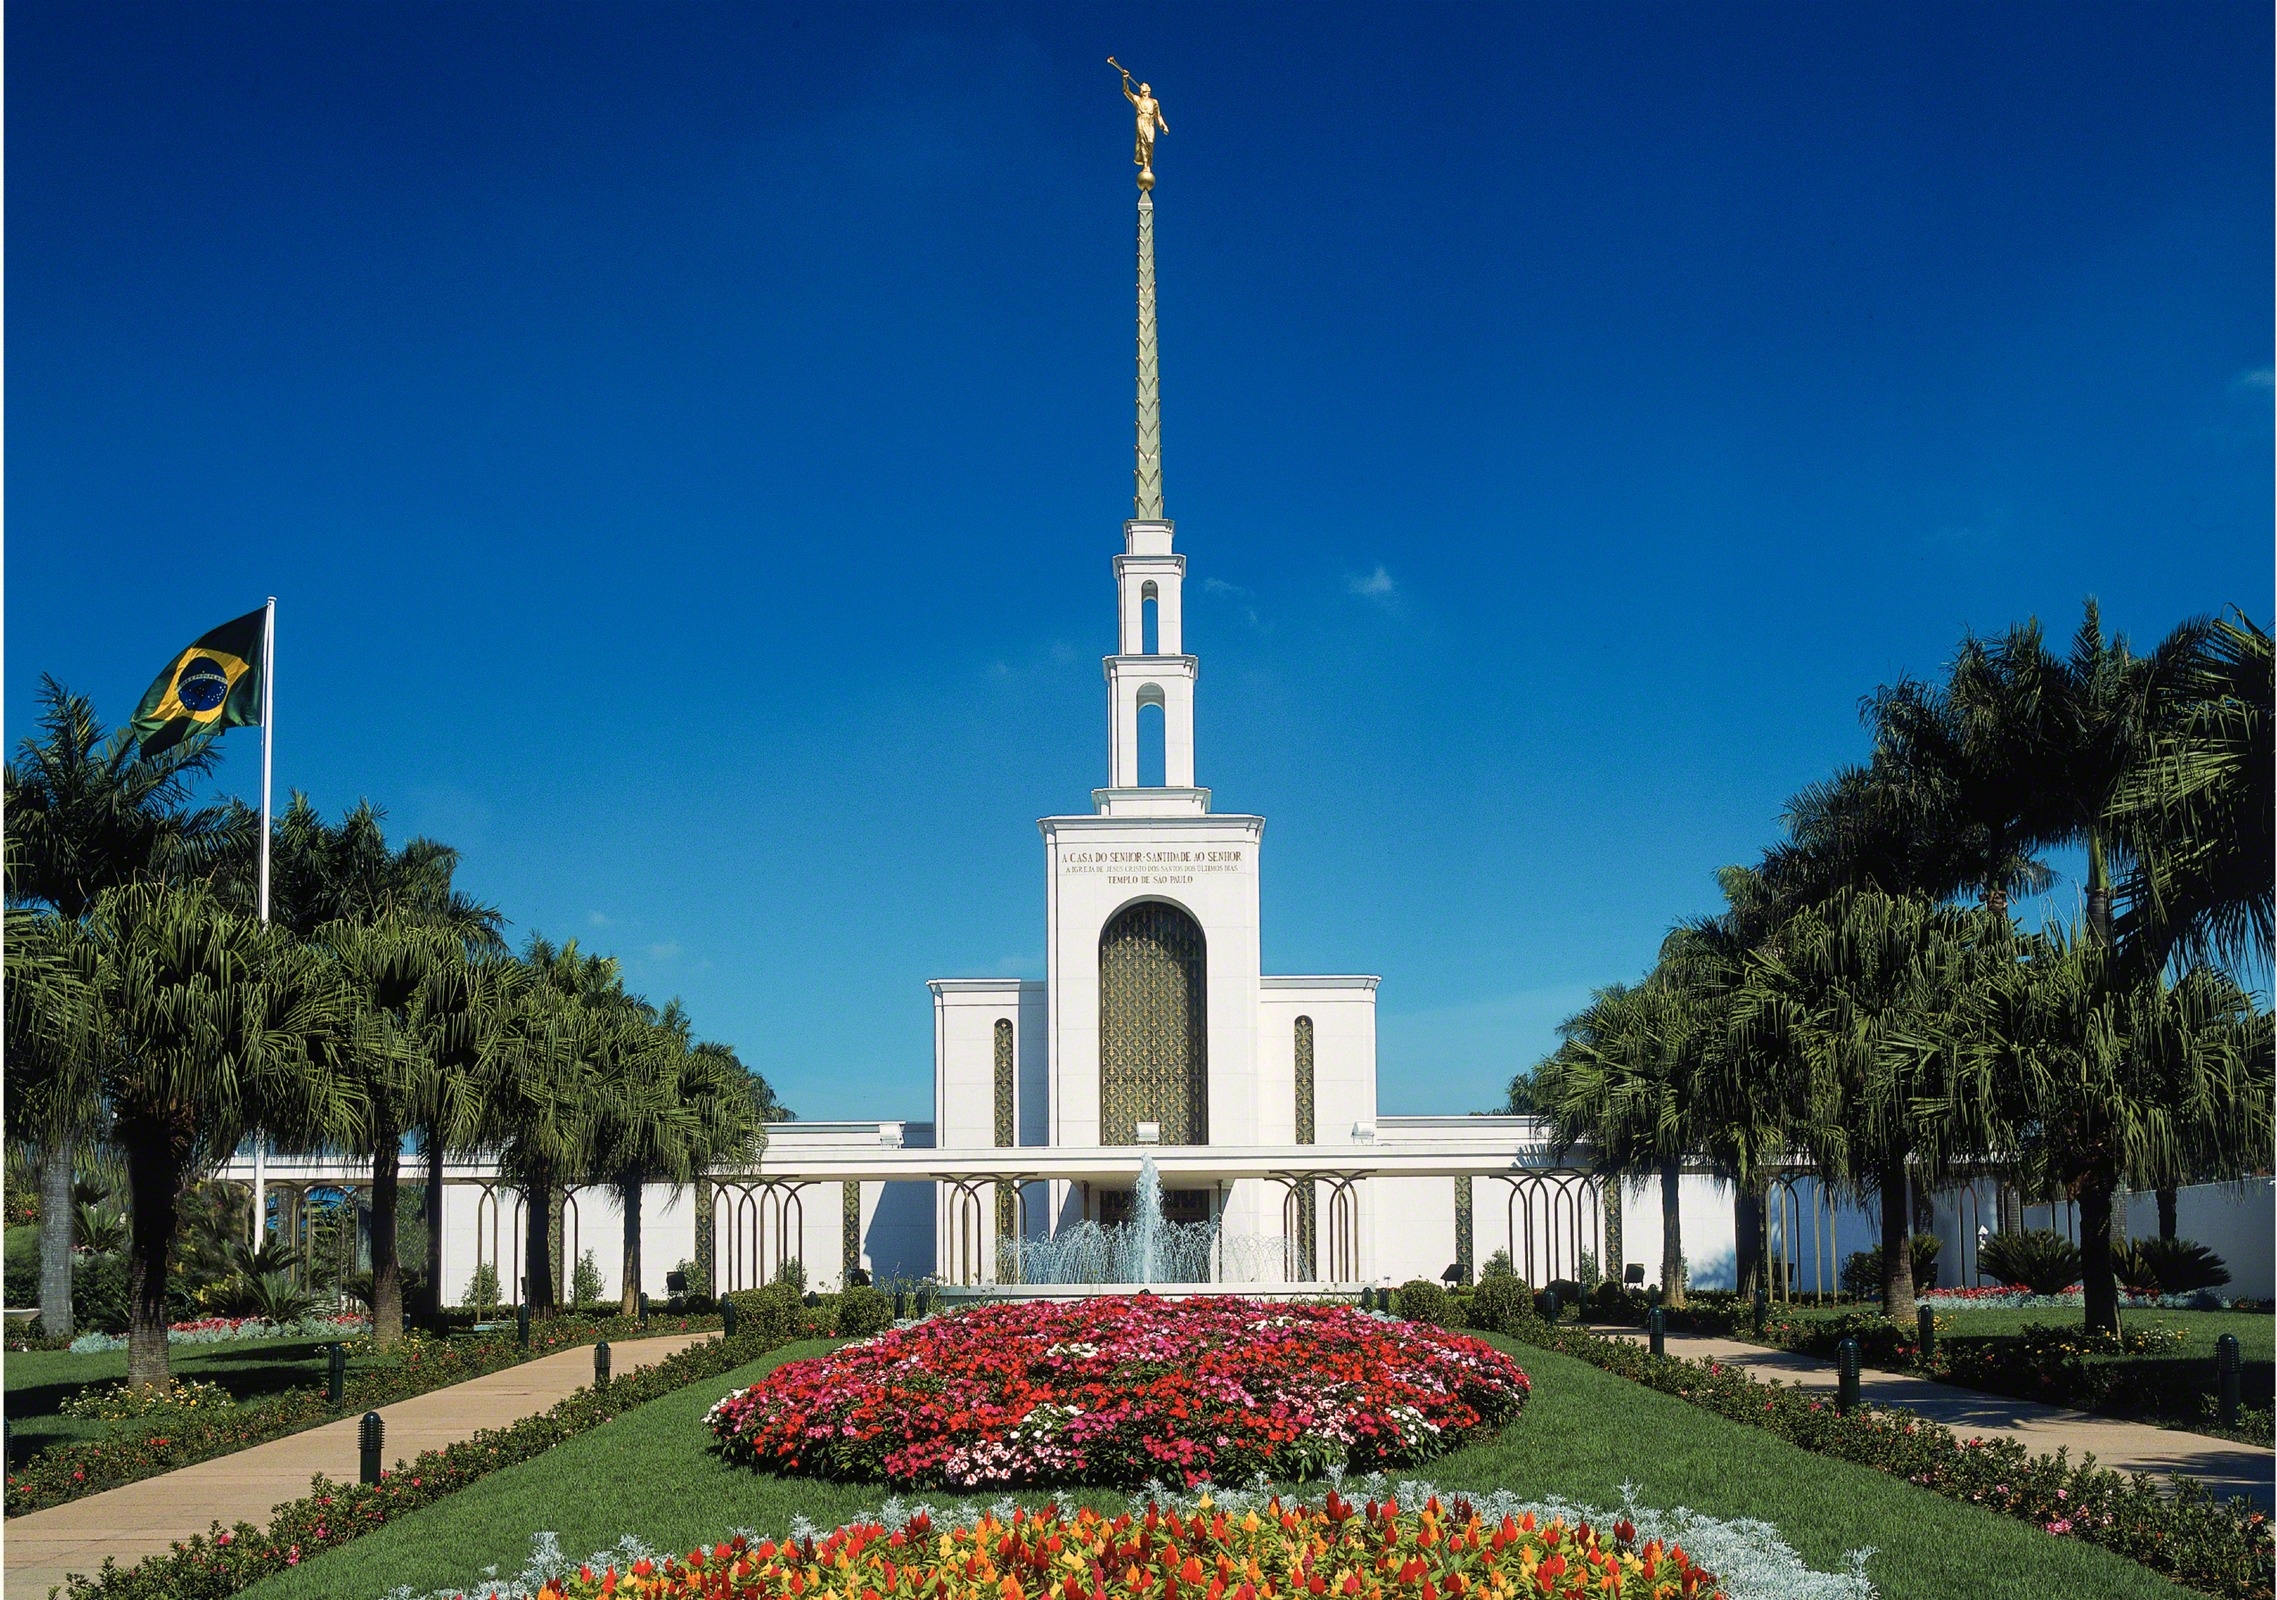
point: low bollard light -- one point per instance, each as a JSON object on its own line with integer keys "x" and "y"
{"x": 2229, "y": 1373}
{"x": 601, "y": 1365}
{"x": 727, "y": 1318}
{"x": 644, "y": 1308}
{"x": 336, "y": 1375}
{"x": 370, "y": 1437}
{"x": 1925, "y": 1323}
{"x": 1656, "y": 1330}
{"x": 522, "y": 1324}
{"x": 1846, "y": 1375}
{"x": 901, "y": 1305}
{"x": 924, "y": 1301}
{"x": 1762, "y": 1309}
{"x": 1550, "y": 1307}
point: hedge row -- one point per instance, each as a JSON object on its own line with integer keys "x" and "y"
{"x": 139, "y": 1449}
{"x": 217, "y": 1564}
{"x": 2223, "y": 1547}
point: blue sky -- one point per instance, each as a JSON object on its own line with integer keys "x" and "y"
{"x": 688, "y": 444}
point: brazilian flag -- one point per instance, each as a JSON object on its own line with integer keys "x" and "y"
{"x": 214, "y": 684}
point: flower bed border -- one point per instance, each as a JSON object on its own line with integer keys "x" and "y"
{"x": 2223, "y": 1547}
{"x": 127, "y": 1454}
{"x": 212, "y": 1566}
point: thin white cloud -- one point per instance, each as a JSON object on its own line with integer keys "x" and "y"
{"x": 2263, "y": 378}
{"x": 599, "y": 919}
{"x": 1220, "y": 586}
{"x": 663, "y": 952}
{"x": 1377, "y": 585}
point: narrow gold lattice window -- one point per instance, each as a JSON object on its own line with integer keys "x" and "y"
{"x": 1007, "y": 1128}
{"x": 1305, "y": 1130}
{"x": 850, "y": 1235}
{"x": 1463, "y": 1227}
{"x": 1308, "y": 1253}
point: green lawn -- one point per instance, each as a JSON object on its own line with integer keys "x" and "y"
{"x": 1584, "y": 1434}
{"x": 39, "y": 1381}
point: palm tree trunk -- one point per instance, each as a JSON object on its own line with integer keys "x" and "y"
{"x": 628, "y": 1201}
{"x": 57, "y": 1220}
{"x": 154, "y": 1183}
{"x": 2169, "y": 1202}
{"x": 1750, "y": 1215}
{"x": 1672, "y": 1233}
{"x": 537, "y": 1249}
{"x": 2098, "y": 1284}
{"x": 435, "y": 1228}
{"x": 387, "y": 1266}
{"x": 1897, "y": 1243}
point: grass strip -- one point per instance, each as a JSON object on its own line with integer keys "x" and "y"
{"x": 220, "y": 1563}
{"x": 2223, "y": 1547}
{"x": 1583, "y": 1435}
{"x": 148, "y": 1446}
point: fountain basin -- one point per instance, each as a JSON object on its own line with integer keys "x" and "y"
{"x": 975, "y": 1293}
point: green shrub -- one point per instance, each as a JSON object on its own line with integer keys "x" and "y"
{"x": 1421, "y": 1300}
{"x": 2173, "y": 1266}
{"x": 863, "y": 1311}
{"x": 585, "y": 1282}
{"x": 1497, "y": 1265}
{"x": 2044, "y": 1262}
{"x": 482, "y": 1289}
{"x": 792, "y": 1272}
{"x": 1501, "y": 1302}
{"x": 774, "y": 1313}
{"x": 1862, "y": 1273}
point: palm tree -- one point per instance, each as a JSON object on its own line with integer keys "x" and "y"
{"x": 2195, "y": 810}
{"x": 1859, "y": 997}
{"x": 2112, "y": 1074}
{"x": 387, "y": 968}
{"x": 460, "y": 1020}
{"x": 1624, "y": 1080}
{"x": 670, "y": 1110}
{"x": 543, "y": 1087}
{"x": 322, "y": 873}
{"x": 53, "y": 1034}
{"x": 213, "y": 1023}
{"x": 86, "y": 812}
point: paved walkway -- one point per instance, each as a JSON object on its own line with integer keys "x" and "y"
{"x": 145, "y": 1518}
{"x": 2123, "y": 1446}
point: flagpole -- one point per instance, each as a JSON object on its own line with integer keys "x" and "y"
{"x": 268, "y": 733}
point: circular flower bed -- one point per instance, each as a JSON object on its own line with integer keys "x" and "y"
{"x": 1123, "y": 1389}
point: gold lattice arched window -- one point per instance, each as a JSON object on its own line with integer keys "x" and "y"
{"x": 1153, "y": 1025}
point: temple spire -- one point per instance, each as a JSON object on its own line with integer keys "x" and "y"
{"x": 1146, "y": 504}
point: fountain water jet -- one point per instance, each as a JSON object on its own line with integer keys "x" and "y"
{"x": 1147, "y": 1250}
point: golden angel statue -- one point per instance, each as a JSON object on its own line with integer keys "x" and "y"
{"x": 1150, "y": 119}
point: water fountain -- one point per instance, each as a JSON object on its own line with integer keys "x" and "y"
{"x": 1146, "y": 1252}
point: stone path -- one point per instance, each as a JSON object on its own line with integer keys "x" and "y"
{"x": 145, "y": 1518}
{"x": 2124, "y": 1446}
